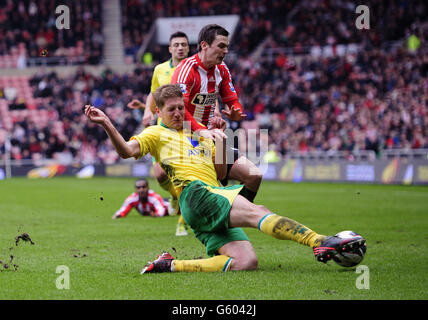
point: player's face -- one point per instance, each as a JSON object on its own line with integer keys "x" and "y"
{"x": 179, "y": 48}
{"x": 142, "y": 188}
{"x": 217, "y": 51}
{"x": 172, "y": 113}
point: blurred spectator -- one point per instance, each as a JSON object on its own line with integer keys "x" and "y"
{"x": 33, "y": 24}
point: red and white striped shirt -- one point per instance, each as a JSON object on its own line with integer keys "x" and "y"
{"x": 154, "y": 204}
{"x": 201, "y": 87}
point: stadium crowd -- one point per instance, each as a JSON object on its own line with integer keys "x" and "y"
{"x": 375, "y": 101}
{"x": 293, "y": 24}
{"x": 256, "y": 19}
{"x": 372, "y": 100}
{"x": 317, "y": 23}
{"x": 31, "y": 27}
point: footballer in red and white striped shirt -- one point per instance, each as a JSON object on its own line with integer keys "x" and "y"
{"x": 145, "y": 201}
{"x": 204, "y": 78}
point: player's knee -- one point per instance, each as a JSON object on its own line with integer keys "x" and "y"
{"x": 262, "y": 209}
{"x": 255, "y": 175}
{"x": 245, "y": 262}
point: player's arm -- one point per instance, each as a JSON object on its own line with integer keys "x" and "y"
{"x": 233, "y": 108}
{"x": 123, "y": 148}
{"x": 149, "y": 111}
{"x": 217, "y": 109}
{"x": 136, "y": 104}
{"x": 157, "y": 205}
{"x": 201, "y": 130}
{"x": 151, "y": 103}
{"x": 124, "y": 210}
{"x": 219, "y": 158}
{"x": 234, "y": 111}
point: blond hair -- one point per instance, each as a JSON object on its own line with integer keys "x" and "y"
{"x": 165, "y": 92}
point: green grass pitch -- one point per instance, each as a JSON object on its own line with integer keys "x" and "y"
{"x": 71, "y": 226}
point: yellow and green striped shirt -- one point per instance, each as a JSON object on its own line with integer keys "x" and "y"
{"x": 183, "y": 156}
{"x": 162, "y": 74}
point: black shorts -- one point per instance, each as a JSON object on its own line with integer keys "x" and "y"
{"x": 225, "y": 181}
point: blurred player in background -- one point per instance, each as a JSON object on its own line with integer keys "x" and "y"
{"x": 203, "y": 78}
{"x": 179, "y": 49}
{"x": 145, "y": 201}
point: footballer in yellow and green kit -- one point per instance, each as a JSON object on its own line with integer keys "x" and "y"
{"x": 188, "y": 161}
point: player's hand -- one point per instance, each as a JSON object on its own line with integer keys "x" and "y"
{"x": 136, "y": 104}
{"x": 234, "y": 113}
{"x": 217, "y": 122}
{"x": 212, "y": 134}
{"x": 148, "y": 117}
{"x": 95, "y": 114}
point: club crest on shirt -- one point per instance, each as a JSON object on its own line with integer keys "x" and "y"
{"x": 194, "y": 143}
{"x": 199, "y": 149}
{"x": 183, "y": 88}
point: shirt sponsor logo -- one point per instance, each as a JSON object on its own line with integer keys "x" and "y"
{"x": 205, "y": 99}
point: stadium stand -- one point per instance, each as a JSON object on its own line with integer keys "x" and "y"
{"x": 373, "y": 97}
{"x": 29, "y": 27}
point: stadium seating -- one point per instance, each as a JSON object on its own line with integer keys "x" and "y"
{"x": 362, "y": 96}
{"x": 29, "y": 27}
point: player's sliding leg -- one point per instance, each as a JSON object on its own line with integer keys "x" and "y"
{"x": 248, "y": 174}
{"x": 207, "y": 210}
{"x": 246, "y": 214}
{"x": 235, "y": 255}
{"x": 181, "y": 229}
{"x": 240, "y": 255}
{"x": 166, "y": 263}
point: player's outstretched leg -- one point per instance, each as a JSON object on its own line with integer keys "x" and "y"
{"x": 247, "y": 173}
{"x": 333, "y": 245}
{"x": 165, "y": 262}
{"x": 246, "y": 214}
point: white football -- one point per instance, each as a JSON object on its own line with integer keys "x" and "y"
{"x": 355, "y": 252}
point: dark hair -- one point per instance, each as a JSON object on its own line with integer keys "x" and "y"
{"x": 178, "y": 34}
{"x": 142, "y": 179}
{"x": 165, "y": 92}
{"x": 209, "y": 32}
